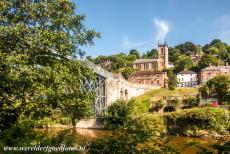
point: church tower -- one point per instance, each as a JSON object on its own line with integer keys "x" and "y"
{"x": 162, "y": 56}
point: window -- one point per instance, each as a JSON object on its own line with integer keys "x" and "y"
{"x": 162, "y": 51}
{"x": 153, "y": 65}
{"x": 182, "y": 79}
{"x": 146, "y": 66}
{"x": 138, "y": 66}
{"x": 158, "y": 82}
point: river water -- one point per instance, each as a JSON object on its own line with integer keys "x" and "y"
{"x": 177, "y": 142}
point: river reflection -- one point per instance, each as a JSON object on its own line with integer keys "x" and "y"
{"x": 86, "y": 135}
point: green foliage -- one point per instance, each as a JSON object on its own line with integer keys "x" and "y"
{"x": 127, "y": 71}
{"x": 192, "y": 121}
{"x": 222, "y": 147}
{"x": 174, "y": 103}
{"x": 208, "y": 59}
{"x": 190, "y": 102}
{"x": 137, "y": 136}
{"x": 187, "y": 47}
{"x": 160, "y": 104}
{"x": 183, "y": 62}
{"x": 116, "y": 115}
{"x": 41, "y": 75}
{"x": 22, "y": 135}
{"x": 153, "y": 53}
{"x": 140, "y": 104}
{"x": 172, "y": 79}
{"x": 135, "y": 52}
{"x": 118, "y": 61}
{"x": 217, "y": 87}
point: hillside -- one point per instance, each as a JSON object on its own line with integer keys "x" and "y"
{"x": 141, "y": 104}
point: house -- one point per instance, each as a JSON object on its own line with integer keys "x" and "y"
{"x": 187, "y": 78}
{"x": 195, "y": 58}
{"x": 212, "y": 71}
{"x": 148, "y": 77}
{"x": 106, "y": 65}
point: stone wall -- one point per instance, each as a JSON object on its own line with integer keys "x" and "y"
{"x": 119, "y": 88}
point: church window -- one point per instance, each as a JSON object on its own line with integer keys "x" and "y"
{"x": 138, "y": 66}
{"x": 153, "y": 66}
{"x": 146, "y": 66}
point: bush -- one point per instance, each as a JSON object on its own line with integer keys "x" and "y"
{"x": 139, "y": 135}
{"x": 159, "y": 105}
{"x": 191, "y": 122}
{"x": 190, "y": 102}
{"x": 115, "y": 115}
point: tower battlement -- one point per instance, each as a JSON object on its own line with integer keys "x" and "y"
{"x": 162, "y": 55}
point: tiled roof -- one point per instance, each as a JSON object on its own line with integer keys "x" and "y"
{"x": 144, "y": 61}
{"x": 217, "y": 68}
{"x": 187, "y": 72}
{"x": 148, "y": 72}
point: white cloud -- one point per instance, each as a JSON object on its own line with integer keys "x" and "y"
{"x": 128, "y": 44}
{"x": 223, "y": 23}
{"x": 163, "y": 29}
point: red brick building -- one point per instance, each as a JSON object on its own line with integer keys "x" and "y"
{"x": 149, "y": 77}
{"x": 212, "y": 71}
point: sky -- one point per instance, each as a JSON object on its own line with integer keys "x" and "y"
{"x": 140, "y": 24}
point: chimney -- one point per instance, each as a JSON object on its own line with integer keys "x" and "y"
{"x": 209, "y": 64}
{"x": 226, "y": 63}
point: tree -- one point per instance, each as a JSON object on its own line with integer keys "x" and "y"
{"x": 208, "y": 59}
{"x": 216, "y": 47}
{"x": 135, "y": 52}
{"x": 172, "y": 79}
{"x": 183, "y": 62}
{"x": 187, "y": 47}
{"x": 217, "y": 87}
{"x": 153, "y": 53}
{"x": 39, "y": 43}
{"x": 116, "y": 115}
{"x": 127, "y": 71}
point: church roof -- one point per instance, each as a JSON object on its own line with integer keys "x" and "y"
{"x": 147, "y": 72}
{"x": 144, "y": 61}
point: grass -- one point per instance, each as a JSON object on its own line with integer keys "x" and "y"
{"x": 141, "y": 104}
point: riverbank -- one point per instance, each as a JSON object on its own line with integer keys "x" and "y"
{"x": 184, "y": 145}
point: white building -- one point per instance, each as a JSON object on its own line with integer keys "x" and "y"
{"x": 187, "y": 79}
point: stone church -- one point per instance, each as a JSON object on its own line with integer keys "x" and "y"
{"x": 150, "y": 71}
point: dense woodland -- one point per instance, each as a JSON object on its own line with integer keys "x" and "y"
{"x": 216, "y": 52}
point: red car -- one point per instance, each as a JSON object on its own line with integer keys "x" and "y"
{"x": 214, "y": 103}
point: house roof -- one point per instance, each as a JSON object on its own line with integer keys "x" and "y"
{"x": 148, "y": 72}
{"x": 187, "y": 72}
{"x": 144, "y": 61}
{"x": 217, "y": 68}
